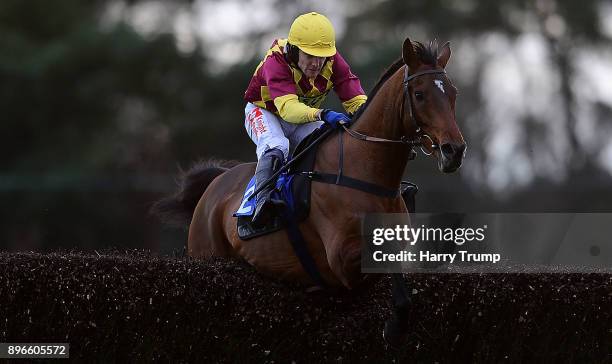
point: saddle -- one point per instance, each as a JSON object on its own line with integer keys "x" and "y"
{"x": 294, "y": 186}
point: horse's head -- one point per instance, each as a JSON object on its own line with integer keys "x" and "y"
{"x": 429, "y": 103}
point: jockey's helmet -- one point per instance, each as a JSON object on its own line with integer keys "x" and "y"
{"x": 314, "y": 34}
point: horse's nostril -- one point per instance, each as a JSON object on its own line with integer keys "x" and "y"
{"x": 447, "y": 149}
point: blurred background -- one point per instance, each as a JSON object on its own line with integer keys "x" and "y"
{"x": 102, "y": 101}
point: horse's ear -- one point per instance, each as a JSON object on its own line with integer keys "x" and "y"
{"x": 409, "y": 55}
{"x": 444, "y": 55}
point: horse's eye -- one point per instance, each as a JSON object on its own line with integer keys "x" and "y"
{"x": 419, "y": 95}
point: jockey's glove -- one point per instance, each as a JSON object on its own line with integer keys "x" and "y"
{"x": 335, "y": 119}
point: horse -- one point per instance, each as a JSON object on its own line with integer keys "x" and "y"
{"x": 413, "y": 103}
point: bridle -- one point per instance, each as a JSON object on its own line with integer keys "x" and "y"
{"x": 418, "y": 141}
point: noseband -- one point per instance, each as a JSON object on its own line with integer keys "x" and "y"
{"x": 407, "y": 100}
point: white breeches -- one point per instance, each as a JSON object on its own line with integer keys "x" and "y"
{"x": 268, "y": 131}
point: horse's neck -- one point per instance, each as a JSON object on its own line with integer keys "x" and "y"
{"x": 380, "y": 163}
{"x": 381, "y": 119}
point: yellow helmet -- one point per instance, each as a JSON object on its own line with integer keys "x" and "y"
{"x": 314, "y": 34}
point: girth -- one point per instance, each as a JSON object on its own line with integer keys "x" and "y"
{"x": 340, "y": 180}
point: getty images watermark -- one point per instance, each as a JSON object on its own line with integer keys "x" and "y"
{"x": 423, "y": 234}
{"x": 487, "y": 243}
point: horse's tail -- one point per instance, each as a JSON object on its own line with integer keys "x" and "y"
{"x": 178, "y": 209}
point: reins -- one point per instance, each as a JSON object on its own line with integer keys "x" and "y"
{"x": 340, "y": 179}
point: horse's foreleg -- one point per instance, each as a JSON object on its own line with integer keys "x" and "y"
{"x": 396, "y": 327}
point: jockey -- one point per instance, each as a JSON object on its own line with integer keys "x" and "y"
{"x": 285, "y": 93}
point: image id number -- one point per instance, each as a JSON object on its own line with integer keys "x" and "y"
{"x": 33, "y": 350}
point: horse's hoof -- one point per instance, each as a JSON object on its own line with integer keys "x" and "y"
{"x": 393, "y": 335}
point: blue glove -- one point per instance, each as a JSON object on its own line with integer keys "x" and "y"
{"x": 335, "y": 119}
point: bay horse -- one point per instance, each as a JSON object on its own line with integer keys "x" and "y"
{"x": 413, "y": 102}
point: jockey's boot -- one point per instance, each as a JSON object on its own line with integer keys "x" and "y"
{"x": 270, "y": 162}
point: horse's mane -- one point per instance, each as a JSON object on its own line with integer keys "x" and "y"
{"x": 388, "y": 72}
{"x": 428, "y": 54}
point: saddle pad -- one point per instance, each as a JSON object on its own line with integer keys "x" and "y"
{"x": 293, "y": 189}
{"x": 283, "y": 192}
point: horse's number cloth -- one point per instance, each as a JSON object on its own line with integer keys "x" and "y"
{"x": 247, "y": 207}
